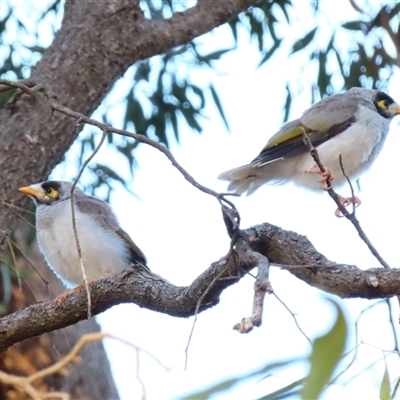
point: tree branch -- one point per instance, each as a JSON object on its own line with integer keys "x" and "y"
{"x": 287, "y": 249}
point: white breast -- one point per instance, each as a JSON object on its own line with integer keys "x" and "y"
{"x": 359, "y": 146}
{"x": 103, "y": 252}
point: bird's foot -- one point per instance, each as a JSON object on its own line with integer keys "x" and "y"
{"x": 62, "y": 297}
{"x": 346, "y": 201}
{"x": 326, "y": 176}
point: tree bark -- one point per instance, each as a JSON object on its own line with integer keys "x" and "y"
{"x": 286, "y": 249}
{"x": 96, "y": 44}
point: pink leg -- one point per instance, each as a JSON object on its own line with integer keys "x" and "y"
{"x": 346, "y": 201}
{"x": 326, "y": 176}
{"x": 61, "y": 298}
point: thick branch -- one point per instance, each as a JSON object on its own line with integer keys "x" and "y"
{"x": 152, "y": 292}
{"x": 295, "y": 253}
{"x": 131, "y": 286}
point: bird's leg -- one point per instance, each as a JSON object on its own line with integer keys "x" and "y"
{"x": 346, "y": 201}
{"x": 61, "y": 298}
{"x": 326, "y": 176}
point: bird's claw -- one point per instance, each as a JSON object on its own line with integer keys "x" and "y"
{"x": 346, "y": 201}
{"x": 63, "y": 296}
{"x": 326, "y": 177}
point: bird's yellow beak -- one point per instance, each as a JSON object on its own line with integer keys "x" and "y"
{"x": 31, "y": 191}
{"x": 395, "y": 108}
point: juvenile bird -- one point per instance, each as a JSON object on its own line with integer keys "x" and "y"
{"x": 353, "y": 124}
{"x": 106, "y": 248}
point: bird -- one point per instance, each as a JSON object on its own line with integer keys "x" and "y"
{"x": 351, "y": 126}
{"x": 105, "y": 247}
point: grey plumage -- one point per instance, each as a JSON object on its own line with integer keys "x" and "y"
{"x": 353, "y": 124}
{"x": 106, "y": 248}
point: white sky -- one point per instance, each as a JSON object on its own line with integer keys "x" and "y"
{"x": 181, "y": 232}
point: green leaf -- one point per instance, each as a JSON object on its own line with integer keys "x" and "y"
{"x": 283, "y": 6}
{"x": 257, "y": 29}
{"x": 3, "y": 22}
{"x": 304, "y": 42}
{"x": 174, "y": 123}
{"x": 285, "y": 390}
{"x": 326, "y": 354}
{"x": 219, "y": 106}
{"x": 396, "y": 385}
{"x": 142, "y": 71}
{"x": 54, "y": 6}
{"x": 353, "y": 25}
{"x": 233, "y": 25}
{"x": 270, "y": 52}
{"x": 127, "y": 151}
{"x": 199, "y": 92}
{"x": 36, "y": 48}
{"x": 5, "y": 96}
{"x": 323, "y": 78}
{"x": 339, "y": 60}
{"x": 134, "y": 113}
{"x": 216, "y": 55}
{"x": 190, "y": 116}
{"x": 228, "y": 383}
{"x": 288, "y": 103}
{"x": 384, "y": 392}
{"x": 395, "y": 10}
{"x": 179, "y": 91}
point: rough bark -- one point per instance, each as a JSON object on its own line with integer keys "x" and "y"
{"x": 284, "y": 248}
{"x": 97, "y": 43}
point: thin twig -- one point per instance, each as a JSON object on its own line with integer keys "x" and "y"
{"x": 392, "y": 324}
{"x": 26, "y": 383}
{"x": 350, "y": 216}
{"x": 13, "y": 208}
{"x": 12, "y": 242}
{"x": 348, "y": 182}
{"x": 294, "y": 317}
{"x": 30, "y": 86}
{"x": 199, "y": 302}
{"x": 127, "y": 342}
{"x": 74, "y": 227}
{"x": 353, "y": 219}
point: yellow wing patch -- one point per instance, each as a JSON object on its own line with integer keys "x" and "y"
{"x": 285, "y": 136}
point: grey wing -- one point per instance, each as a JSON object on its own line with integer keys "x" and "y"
{"x": 296, "y": 146}
{"x": 105, "y": 216}
{"x": 331, "y": 111}
{"x": 322, "y": 121}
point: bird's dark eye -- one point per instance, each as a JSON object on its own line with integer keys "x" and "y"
{"x": 50, "y": 192}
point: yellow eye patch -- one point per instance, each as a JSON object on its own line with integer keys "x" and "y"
{"x": 384, "y": 104}
{"x": 51, "y": 192}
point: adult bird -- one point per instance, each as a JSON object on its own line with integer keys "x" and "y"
{"x": 106, "y": 248}
{"x": 353, "y": 125}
